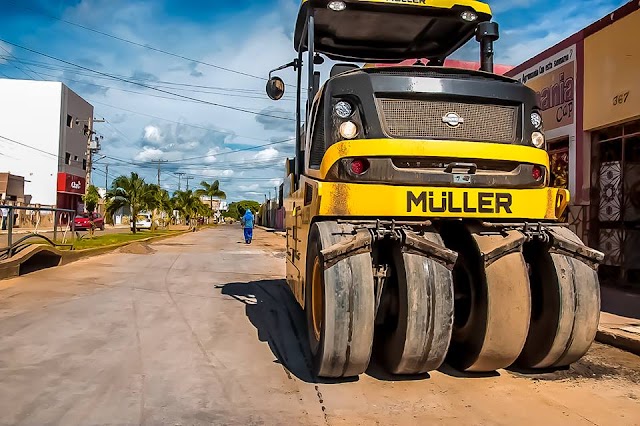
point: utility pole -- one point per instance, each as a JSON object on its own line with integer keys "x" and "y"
{"x": 106, "y": 177}
{"x": 159, "y": 163}
{"x": 93, "y": 145}
{"x": 188, "y": 178}
{"x": 180, "y": 174}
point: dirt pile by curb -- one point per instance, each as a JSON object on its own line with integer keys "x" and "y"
{"x": 137, "y": 248}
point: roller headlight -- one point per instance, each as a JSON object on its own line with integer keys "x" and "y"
{"x": 469, "y": 16}
{"x": 337, "y": 6}
{"x": 537, "y": 139}
{"x": 536, "y": 120}
{"x": 343, "y": 109}
{"x": 348, "y": 130}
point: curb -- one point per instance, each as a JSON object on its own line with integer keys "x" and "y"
{"x": 281, "y": 233}
{"x": 618, "y": 340}
{"x": 11, "y": 268}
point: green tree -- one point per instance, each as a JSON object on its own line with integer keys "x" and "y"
{"x": 165, "y": 205}
{"x": 132, "y": 192}
{"x": 91, "y": 199}
{"x": 187, "y": 204}
{"x": 237, "y": 209}
{"x": 210, "y": 191}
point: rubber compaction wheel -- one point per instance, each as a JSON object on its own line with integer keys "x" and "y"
{"x": 416, "y": 340}
{"x": 339, "y": 304}
{"x": 492, "y": 301}
{"x": 566, "y": 306}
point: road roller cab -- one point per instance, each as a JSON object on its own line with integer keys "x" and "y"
{"x": 420, "y": 222}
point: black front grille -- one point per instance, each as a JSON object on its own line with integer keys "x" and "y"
{"x": 426, "y": 119}
{"x": 317, "y": 140}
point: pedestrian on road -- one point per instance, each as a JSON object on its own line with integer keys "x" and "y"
{"x": 4, "y": 214}
{"x": 247, "y": 223}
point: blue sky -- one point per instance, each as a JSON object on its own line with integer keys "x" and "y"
{"x": 250, "y": 36}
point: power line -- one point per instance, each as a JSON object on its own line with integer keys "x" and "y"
{"x": 241, "y": 165}
{"x": 146, "y": 46}
{"x": 145, "y": 85}
{"x": 30, "y": 147}
{"x": 54, "y": 67}
{"x": 234, "y": 151}
{"x": 233, "y": 95}
{"x": 147, "y": 94}
{"x": 223, "y": 131}
{"x": 14, "y": 65}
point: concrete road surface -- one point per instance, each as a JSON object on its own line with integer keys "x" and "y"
{"x": 204, "y": 331}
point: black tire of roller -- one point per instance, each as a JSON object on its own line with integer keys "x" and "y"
{"x": 494, "y": 333}
{"x": 346, "y": 336}
{"x": 420, "y": 338}
{"x": 566, "y": 307}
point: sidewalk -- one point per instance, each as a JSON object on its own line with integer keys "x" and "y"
{"x": 621, "y": 332}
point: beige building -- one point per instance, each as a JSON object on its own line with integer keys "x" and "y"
{"x": 589, "y": 90}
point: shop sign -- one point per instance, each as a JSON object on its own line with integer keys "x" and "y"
{"x": 71, "y": 184}
{"x": 554, "y": 80}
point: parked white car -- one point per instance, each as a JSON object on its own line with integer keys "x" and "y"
{"x": 143, "y": 221}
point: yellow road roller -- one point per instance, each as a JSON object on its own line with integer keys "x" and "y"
{"x": 421, "y": 227}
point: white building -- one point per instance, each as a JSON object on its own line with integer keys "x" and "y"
{"x": 43, "y": 137}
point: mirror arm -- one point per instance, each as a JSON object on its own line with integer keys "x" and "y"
{"x": 293, "y": 64}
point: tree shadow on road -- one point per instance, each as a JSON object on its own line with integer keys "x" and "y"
{"x": 280, "y": 321}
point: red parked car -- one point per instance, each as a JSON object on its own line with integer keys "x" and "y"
{"x": 83, "y": 221}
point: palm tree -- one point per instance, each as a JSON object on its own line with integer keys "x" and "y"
{"x": 187, "y": 204}
{"x": 131, "y": 192}
{"x": 211, "y": 191}
{"x": 164, "y": 204}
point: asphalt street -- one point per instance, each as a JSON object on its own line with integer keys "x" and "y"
{"x": 201, "y": 329}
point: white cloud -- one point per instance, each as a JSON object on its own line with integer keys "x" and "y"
{"x": 211, "y": 156}
{"x": 246, "y": 188}
{"x": 152, "y": 134}
{"x": 266, "y": 154}
{"x": 149, "y": 154}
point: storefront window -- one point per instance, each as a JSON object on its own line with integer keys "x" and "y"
{"x": 559, "y": 162}
{"x": 617, "y": 203}
{"x": 608, "y": 133}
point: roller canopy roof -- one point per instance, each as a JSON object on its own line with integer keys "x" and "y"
{"x": 389, "y": 30}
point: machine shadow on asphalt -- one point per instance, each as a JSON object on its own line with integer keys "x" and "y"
{"x": 273, "y": 311}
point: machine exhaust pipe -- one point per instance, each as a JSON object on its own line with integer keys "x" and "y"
{"x": 486, "y": 34}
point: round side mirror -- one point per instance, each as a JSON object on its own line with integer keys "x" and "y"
{"x": 275, "y": 88}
